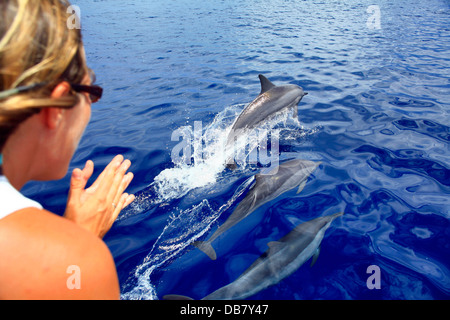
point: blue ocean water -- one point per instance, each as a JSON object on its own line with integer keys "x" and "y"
{"x": 377, "y": 117}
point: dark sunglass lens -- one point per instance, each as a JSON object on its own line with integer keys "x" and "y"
{"x": 96, "y": 93}
{"x": 93, "y": 98}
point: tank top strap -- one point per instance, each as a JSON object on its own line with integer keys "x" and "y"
{"x": 12, "y": 200}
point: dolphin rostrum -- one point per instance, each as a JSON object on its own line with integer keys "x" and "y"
{"x": 269, "y": 186}
{"x": 283, "y": 258}
{"x": 270, "y": 101}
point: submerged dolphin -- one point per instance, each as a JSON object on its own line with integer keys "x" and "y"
{"x": 281, "y": 260}
{"x": 269, "y": 186}
{"x": 270, "y": 101}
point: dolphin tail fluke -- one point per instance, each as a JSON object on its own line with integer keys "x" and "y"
{"x": 175, "y": 297}
{"x": 207, "y": 248}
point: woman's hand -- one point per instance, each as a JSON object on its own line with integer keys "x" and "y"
{"x": 96, "y": 208}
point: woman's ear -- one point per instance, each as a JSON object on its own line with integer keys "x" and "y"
{"x": 62, "y": 89}
{"x": 52, "y": 117}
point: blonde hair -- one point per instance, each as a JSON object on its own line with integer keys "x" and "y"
{"x": 36, "y": 47}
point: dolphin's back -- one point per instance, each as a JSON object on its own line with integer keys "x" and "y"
{"x": 269, "y": 102}
{"x": 266, "y": 104}
{"x": 309, "y": 229}
{"x": 284, "y": 177}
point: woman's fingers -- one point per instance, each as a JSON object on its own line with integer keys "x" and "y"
{"x": 130, "y": 198}
{"x": 121, "y": 182}
{"x": 105, "y": 178}
{"x": 126, "y": 180}
{"x": 122, "y": 199}
{"x": 111, "y": 183}
{"x": 125, "y": 200}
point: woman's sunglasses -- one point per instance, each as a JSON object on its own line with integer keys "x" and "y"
{"x": 95, "y": 92}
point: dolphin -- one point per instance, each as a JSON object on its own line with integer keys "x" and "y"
{"x": 269, "y": 186}
{"x": 281, "y": 259}
{"x": 270, "y": 101}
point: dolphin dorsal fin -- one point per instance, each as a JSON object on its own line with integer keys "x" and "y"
{"x": 266, "y": 85}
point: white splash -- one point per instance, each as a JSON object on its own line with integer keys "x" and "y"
{"x": 208, "y": 159}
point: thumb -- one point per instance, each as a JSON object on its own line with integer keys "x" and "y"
{"x": 77, "y": 184}
{"x": 79, "y": 179}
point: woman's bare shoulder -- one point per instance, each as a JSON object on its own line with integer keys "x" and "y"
{"x": 44, "y": 256}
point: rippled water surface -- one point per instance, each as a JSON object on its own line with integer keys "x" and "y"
{"x": 377, "y": 117}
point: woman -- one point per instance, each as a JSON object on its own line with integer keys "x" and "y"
{"x": 46, "y": 91}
